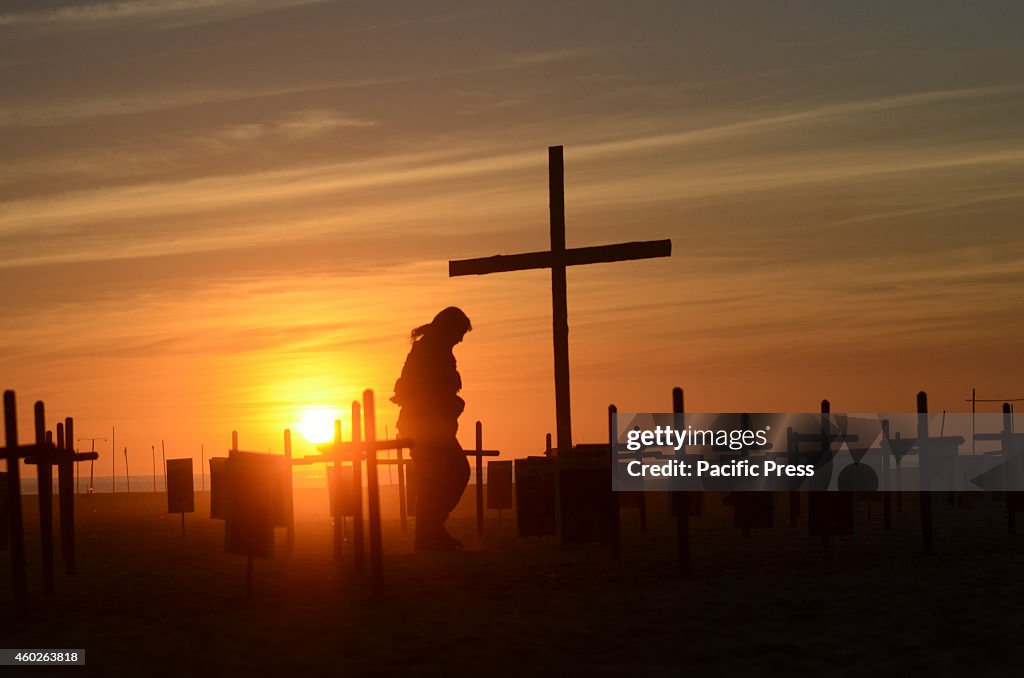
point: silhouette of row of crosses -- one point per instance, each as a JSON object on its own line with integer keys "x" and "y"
{"x": 831, "y": 513}
{"x": 251, "y": 516}
{"x": 45, "y": 453}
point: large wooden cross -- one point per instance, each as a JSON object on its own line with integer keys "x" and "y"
{"x": 557, "y": 258}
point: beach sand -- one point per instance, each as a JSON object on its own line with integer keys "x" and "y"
{"x": 144, "y": 601}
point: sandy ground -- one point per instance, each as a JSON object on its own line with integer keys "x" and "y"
{"x": 146, "y": 602}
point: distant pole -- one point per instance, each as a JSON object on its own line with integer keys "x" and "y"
{"x": 163, "y": 460}
{"x": 127, "y": 478}
{"x": 92, "y": 462}
{"x": 153, "y": 451}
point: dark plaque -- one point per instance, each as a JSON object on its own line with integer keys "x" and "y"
{"x": 535, "y": 496}
{"x": 219, "y": 487}
{"x": 252, "y": 483}
{"x": 499, "y": 484}
{"x": 181, "y": 496}
{"x": 585, "y": 492}
{"x": 340, "y": 490}
{"x": 282, "y": 499}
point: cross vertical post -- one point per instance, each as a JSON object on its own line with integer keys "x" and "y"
{"x": 559, "y": 303}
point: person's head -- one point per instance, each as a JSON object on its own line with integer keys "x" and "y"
{"x": 448, "y": 327}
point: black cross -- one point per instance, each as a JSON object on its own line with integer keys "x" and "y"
{"x": 557, "y": 258}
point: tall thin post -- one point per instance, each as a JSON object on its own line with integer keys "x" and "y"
{"x": 163, "y": 460}
{"x": 925, "y": 497}
{"x": 152, "y": 449}
{"x": 358, "y": 552}
{"x": 403, "y": 508}
{"x": 1011, "y": 517}
{"x": 887, "y": 494}
{"x": 65, "y": 481}
{"x": 826, "y": 457}
{"x": 17, "y": 528}
{"x": 127, "y": 477}
{"x": 44, "y": 473}
{"x": 559, "y": 305}
{"x": 613, "y": 465}
{"x": 794, "y": 495}
{"x": 682, "y": 499}
{"x": 479, "y": 479}
{"x": 337, "y": 533}
{"x": 291, "y": 499}
{"x": 373, "y": 496}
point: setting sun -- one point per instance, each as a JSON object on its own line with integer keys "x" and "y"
{"x": 317, "y": 424}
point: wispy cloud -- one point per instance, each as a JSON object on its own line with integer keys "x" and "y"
{"x": 85, "y": 14}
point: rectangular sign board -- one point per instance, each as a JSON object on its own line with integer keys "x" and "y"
{"x": 181, "y": 491}
{"x": 219, "y": 488}
{"x": 499, "y": 484}
{"x": 252, "y": 482}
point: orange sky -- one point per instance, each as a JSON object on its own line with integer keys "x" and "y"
{"x": 214, "y": 214}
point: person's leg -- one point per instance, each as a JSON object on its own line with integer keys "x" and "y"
{"x": 430, "y": 498}
{"x": 457, "y": 478}
{"x": 453, "y": 470}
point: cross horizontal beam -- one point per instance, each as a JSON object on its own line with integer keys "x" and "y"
{"x": 578, "y": 256}
{"x": 366, "y": 446}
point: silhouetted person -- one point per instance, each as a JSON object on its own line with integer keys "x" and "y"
{"x": 427, "y": 392}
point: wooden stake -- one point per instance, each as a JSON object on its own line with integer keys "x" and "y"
{"x": 358, "y": 552}
{"x": 887, "y": 494}
{"x": 925, "y": 497}
{"x": 403, "y": 508}
{"x": 1011, "y": 516}
{"x": 291, "y": 499}
{"x": 373, "y": 497}
{"x": 65, "y": 481}
{"x": 613, "y": 460}
{"x": 338, "y": 531}
{"x": 19, "y": 574}
{"x": 479, "y": 479}
{"x": 682, "y": 499}
{"x": 44, "y": 473}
